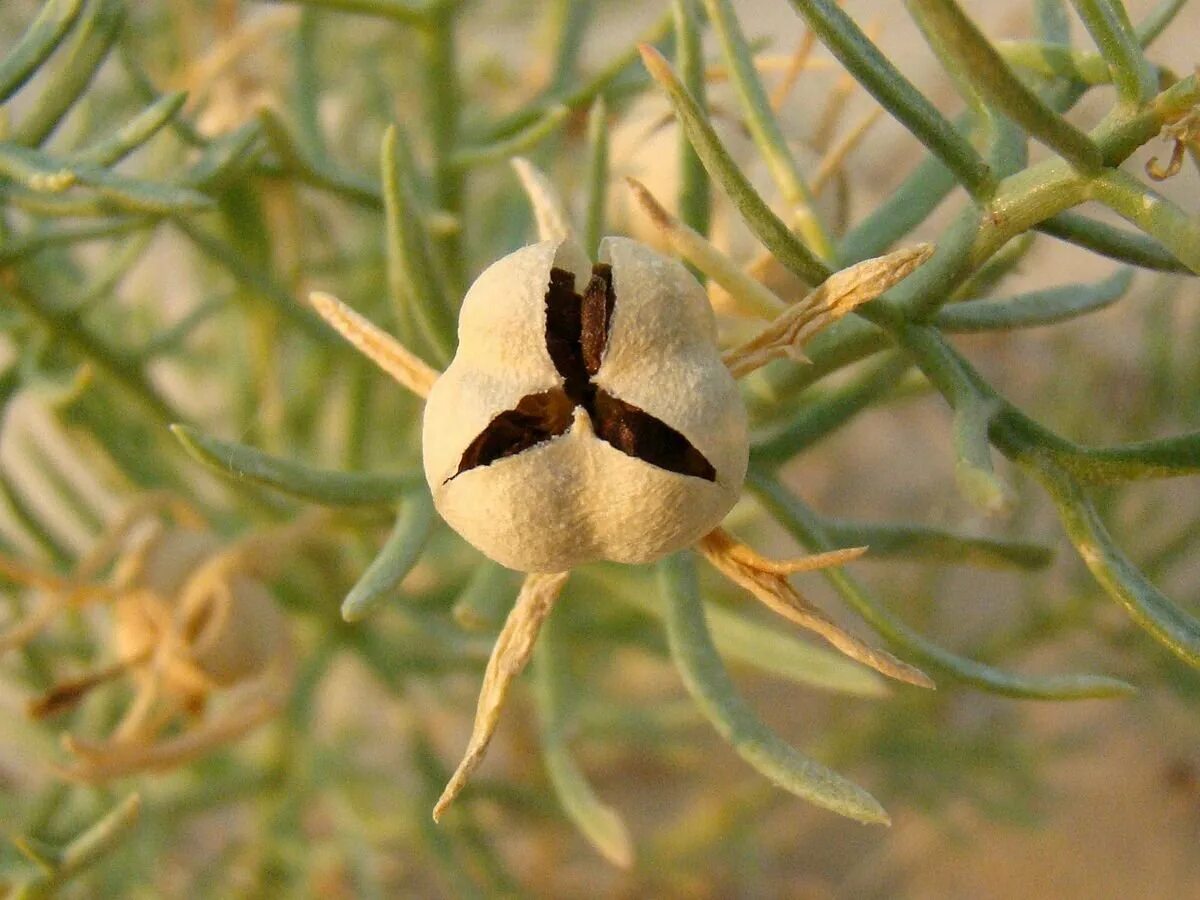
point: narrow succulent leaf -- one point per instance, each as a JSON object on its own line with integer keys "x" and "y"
{"x": 1108, "y": 23}
{"x": 979, "y": 61}
{"x": 87, "y": 48}
{"x": 695, "y": 194}
{"x": 804, "y": 525}
{"x": 308, "y": 89}
{"x": 36, "y": 44}
{"x": 816, "y": 420}
{"x": 522, "y": 142}
{"x": 22, "y": 512}
{"x": 706, "y": 680}
{"x": 766, "y": 130}
{"x": 395, "y": 560}
{"x": 486, "y": 599}
{"x": 1169, "y": 457}
{"x": 241, "y": 463}
{"x": 597, "y": 176}
{"x": 908, "y": 542}
{"x": 596, "y": 820}
{"x": 973, "y": 467}
{"x": 138, "y": 196}
{"x": 1153, "y": 213}
{"x": 766, "y": 226}
{"x": 412, "y": 277}
{"x": 318, "y": 172}
{"x": 128, "y": 137}
{"x": 897, "y": 94}
{"x": 1108, "y": 240}
{"x": 1036, "y": 307}
{"x": 1171, "y": 626}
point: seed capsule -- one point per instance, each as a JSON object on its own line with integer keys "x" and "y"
{"x": 586, "y": 415}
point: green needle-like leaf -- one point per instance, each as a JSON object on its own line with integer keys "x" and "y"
{"x": 1145, "y": 603}
{"x": 36, "y": 44}
{"x": 128, "y": 137}
{"x": 1036, "y": 307}
{"x": 1113, "y": 33}
{"x": 598, "y": 822}
{"x": 1111, "y": 241}
{"x": 706, "y": 680}
{"x": 597, "y": 177}
{"x": 89, "y": 45}
{"x": 241, "y": 463}
{"x": 395, "y": 560}
{"x": 908, "y": 542}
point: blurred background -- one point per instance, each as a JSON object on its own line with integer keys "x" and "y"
{"x": 990, "y": 797}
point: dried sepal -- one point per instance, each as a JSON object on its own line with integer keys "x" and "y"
{"x": 550, "y": 214}
{"x": 513, "y": 649}
{"x": 749, "y": 296}
{"x": 838, "y": 295}
{"x": 376, "y": 344}
{"x": 767, "y": 580}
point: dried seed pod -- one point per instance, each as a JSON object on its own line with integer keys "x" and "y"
{"x": 585, "y": 416}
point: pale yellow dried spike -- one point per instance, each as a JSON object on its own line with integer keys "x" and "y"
{"x": 797, "y": 63}
{"x": 550, "y": 213}
{"x": 752, "y": 297}
{"x": 838, "y": 295}
{"x": 835, "y": 157}
{"x": 513, "y": 648}
{"x": 376, "y": 344}
{"x": 739, "y": 564}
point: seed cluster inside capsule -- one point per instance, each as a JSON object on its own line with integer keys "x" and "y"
{"x": 577, "y": 330}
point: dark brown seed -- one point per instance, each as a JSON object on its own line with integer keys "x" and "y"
{"x": 576, "y": 335}
{"x": 637, "y": 433}
{"x": 596, "y": 316}
{"x": 536, "y": 419}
